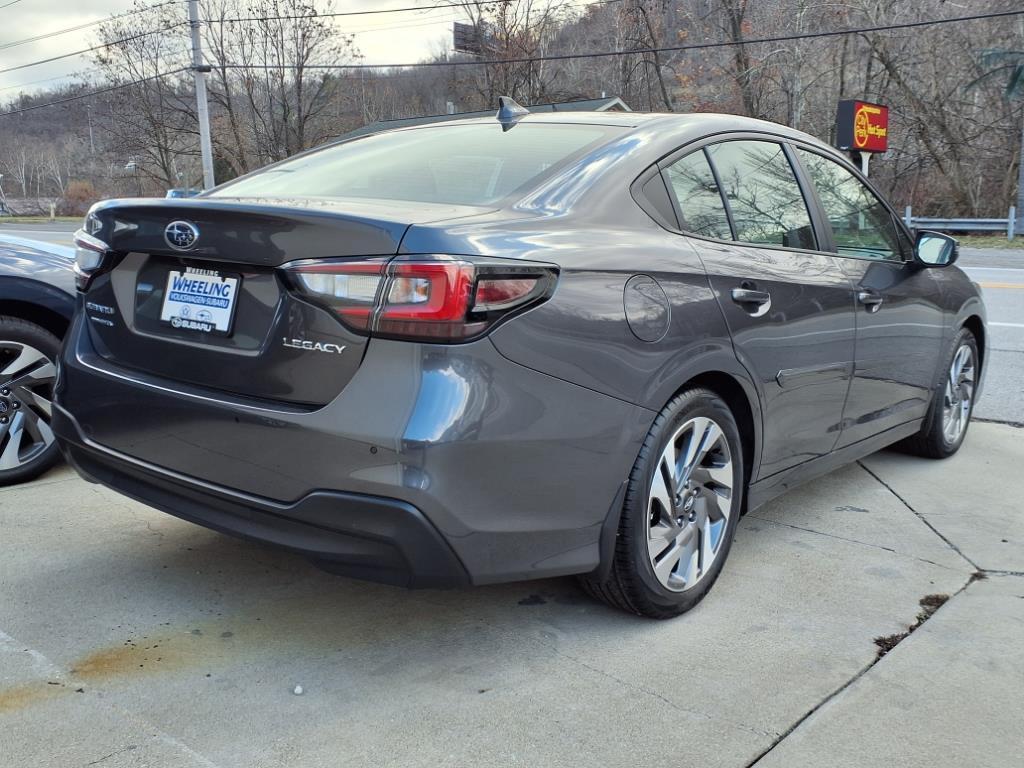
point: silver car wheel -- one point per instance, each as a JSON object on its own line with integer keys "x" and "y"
{"x": 689, "y": 504}
{"x": 958, "y": 395}
{"x": 26, "y": 384}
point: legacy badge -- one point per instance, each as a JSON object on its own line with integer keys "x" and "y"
{"x": 314, "y": 346}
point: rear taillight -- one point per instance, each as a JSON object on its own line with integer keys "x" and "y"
{"x": 433, "y": 298}
{"x": 349, "y": 288}
{"x": 90, "y": 253}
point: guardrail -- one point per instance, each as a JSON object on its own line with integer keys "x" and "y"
{"x": 1007, "y": 225}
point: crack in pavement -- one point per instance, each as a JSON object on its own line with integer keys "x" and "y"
{"x": 978, "y": 574}
{"x": 129, "y": 748}
{"x": 851, "y": 541}
{"x": 1004, "y": 422}
{"x": 921, "y": 517}
{"x": 863, "y": 671}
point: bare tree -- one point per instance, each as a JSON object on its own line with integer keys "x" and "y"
{"x": 279, "y": 86}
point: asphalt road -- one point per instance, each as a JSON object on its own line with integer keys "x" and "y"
{"x": 999, "y": 272}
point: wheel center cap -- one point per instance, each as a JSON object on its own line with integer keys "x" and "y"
{"x": 688, "y": 503}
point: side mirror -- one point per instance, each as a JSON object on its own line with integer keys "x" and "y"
{"x": 934, "y": 249}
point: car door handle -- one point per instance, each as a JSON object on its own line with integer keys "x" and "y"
{"x": 755, "y": 303}
{"x": 870, "y": 299}
{"x": 750, "y": 296}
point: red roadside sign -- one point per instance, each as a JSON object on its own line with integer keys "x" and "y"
{"x": 862, "y": 126}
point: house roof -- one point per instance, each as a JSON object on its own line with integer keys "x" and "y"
{"x": 613, "y": 104}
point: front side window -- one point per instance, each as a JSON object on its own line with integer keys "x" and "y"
{"x": 764, "y": 196}
{"x": 862, "y": 226}
{"x": 700, "y": 202}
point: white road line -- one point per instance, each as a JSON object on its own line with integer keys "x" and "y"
{"x": 42, "y": 665}
{"x": 1008, "y": 325}
{"x": 994, "y": 269}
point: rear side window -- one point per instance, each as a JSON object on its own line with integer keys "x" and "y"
{"x": 862, "y": 226}
{"x": 764, "y": 197}
{"x": 475, "y": 164}
{"x": 700, "y": 202}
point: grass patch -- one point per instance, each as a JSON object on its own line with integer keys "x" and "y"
{"x": 990, "y": 241}
{"x": 929, "y": 605}
{"x": 38, "y": 219}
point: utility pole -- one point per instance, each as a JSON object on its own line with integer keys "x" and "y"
{"x": 1020, "y": 185}
{"x": 92, "y": 142}
{"x": 199, "y": 70}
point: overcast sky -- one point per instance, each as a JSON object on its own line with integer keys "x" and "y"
{"x": 383, "y": 38}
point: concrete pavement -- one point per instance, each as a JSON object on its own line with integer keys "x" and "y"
{"x": 130, "y": 638}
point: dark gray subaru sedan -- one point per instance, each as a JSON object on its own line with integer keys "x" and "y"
{"x": 512, "y": 348}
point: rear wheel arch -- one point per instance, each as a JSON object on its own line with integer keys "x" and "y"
{"x": 625, "y": 578}
{"x": 738, "y": 399}
{"x": 717, "y": 368}
{"x": 44, "y": 317}
{"x": 741, "y": 397}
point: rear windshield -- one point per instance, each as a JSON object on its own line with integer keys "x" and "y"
{"x": 473, "y": 164}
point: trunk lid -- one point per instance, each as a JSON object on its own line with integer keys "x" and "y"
{"x": 218, "y": 314}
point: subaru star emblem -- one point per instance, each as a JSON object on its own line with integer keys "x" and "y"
{"x": 181, "y": 235}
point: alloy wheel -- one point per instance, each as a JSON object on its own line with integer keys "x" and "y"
{"x": 26, "y": 390}
{"x": 689, "y": 503}
{"x": 958, "y": 395}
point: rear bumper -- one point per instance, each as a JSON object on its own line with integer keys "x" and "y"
{"x": 515, "y": 472}
{"x": 352, "y": 534}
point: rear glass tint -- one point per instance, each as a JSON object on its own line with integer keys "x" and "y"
{"x": 473, "y": 164}
{"x": 694, "y": 186}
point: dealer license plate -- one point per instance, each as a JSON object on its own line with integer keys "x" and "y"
{"x": 199, "y": 300}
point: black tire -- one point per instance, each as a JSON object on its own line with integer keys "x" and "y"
{"x": 15, "y": 331}
{"x": 931, "y": 442}
{"x": 631, "y": 584}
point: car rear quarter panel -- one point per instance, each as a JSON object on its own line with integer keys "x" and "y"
{"x": 582, "y": 334}
{"x": 599, "y": 240}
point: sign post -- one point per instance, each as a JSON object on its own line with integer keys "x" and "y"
{"x": 862, "y": 128}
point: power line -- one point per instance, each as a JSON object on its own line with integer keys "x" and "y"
{"x": 447, "y": 19}
{"x": 86, "y": 25}
{"x": 333, "y": 14}
{"x": 51, "y": 79}
{"x": 7, "y": 5}
{"x": 558, "y": 57}
{"x": 97, "y": 92}
{"x": 99, "y": 47}
{"x": 635, "y": 51}
{"x": 81, "y": 74}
